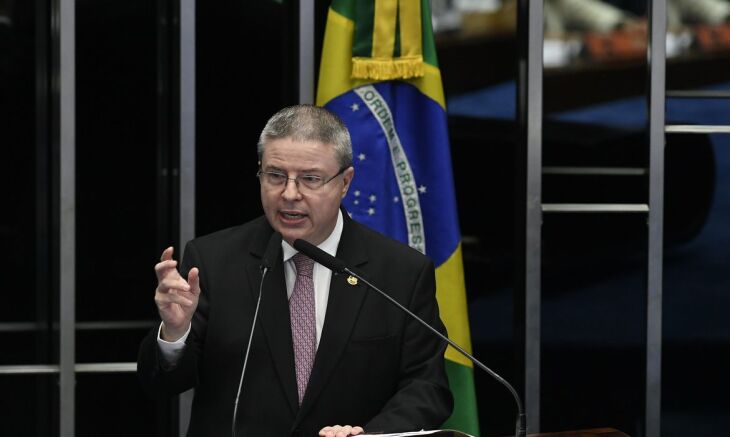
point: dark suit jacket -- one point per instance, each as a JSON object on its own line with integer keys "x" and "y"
{"x": 374, "y": 366}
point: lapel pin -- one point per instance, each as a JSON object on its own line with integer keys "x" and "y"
{"x": 352, "y": 280}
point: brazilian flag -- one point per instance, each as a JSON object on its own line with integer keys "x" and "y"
{"x": 380, "y": 75}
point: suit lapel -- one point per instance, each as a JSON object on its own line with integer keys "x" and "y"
{"x": 274, "y": 316}
{"x": 343, "y": 307}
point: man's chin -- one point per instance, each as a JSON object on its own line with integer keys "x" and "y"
{"x": 290, "y": 237}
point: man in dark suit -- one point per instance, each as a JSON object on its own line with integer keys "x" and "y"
{"x": 326, "y": 350}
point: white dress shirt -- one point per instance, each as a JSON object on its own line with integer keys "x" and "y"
{"x": 171, "y": 351}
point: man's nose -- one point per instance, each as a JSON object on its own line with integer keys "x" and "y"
{"x": 291, "y": 189}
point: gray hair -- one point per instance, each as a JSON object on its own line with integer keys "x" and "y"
{"x": 309, "y": 123}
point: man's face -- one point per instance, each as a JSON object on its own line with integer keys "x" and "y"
{"x": 293, "y": 210}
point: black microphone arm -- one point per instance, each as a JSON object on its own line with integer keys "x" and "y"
{"x": 338, "y": 266}
{"x": 267, "y": 261}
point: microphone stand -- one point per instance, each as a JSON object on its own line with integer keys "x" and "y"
{"x": 264, "y": 270}
{"x": 267, "y": 261}
{"x": 520, "y": 428}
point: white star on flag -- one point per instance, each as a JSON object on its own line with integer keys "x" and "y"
{"x": 422, "y": 189}
{"x": 361, "y": 157}
{"x": 357, "y": 193}
{"x": 395, "y": 199}
{"x": 355, "y": 107}
{"x": 371, "y": 211}
{"x": 372, "y": 198}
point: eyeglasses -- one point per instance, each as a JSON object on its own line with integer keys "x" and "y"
{"x": 306, "y": 182}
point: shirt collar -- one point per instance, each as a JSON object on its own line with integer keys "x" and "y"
{"x": 329, "y": 245}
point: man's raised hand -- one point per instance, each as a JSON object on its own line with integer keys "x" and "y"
{"x": 175, "y": 297}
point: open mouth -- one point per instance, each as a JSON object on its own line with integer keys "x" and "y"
{"x": 292, "y": 215}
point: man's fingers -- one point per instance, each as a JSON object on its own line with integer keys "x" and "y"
{"x": 168, "y": 298}
{"x": 194, "y": 280}
{"x": 167, "y": 254}
{"x": 164, "y": 267}
{"x": 340, "y": 431}
{"x": 168, "y": 284}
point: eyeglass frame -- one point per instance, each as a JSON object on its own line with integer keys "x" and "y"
{"x": 297, "y": 179}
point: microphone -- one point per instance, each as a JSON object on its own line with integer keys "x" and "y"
{"x": 338, "y": 266}
{"x": 320, "y": 256}
{"x": 272, "y": 249}
{"x": 267, "y": 261}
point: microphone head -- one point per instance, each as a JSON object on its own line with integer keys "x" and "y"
{"x": 320, "y": 256}
{"x": 272, "y": 249}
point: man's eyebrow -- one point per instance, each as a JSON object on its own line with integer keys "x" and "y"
{"x": 305, "y": 171}
{"x": 312, "y": 170}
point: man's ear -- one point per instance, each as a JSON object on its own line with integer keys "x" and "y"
{"x": 347, "y": 176}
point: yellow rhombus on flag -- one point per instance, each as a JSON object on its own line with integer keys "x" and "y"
{"x": 385, "y": 48}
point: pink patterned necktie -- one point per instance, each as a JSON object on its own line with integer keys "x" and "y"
{"x": 303, "y": 321}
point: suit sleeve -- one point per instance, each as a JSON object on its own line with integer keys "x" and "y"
{"x": 159, "y": 379}
{"x": 423, "y": 399}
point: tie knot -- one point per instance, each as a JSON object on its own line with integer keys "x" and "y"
{"x": 303, "y": 264}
